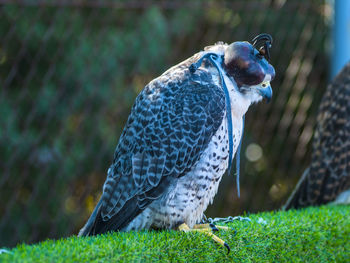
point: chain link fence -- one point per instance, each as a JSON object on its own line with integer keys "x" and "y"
{"x": 70, "y": 71}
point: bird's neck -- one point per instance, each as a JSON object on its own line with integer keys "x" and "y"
{"x": 239, "y": 103}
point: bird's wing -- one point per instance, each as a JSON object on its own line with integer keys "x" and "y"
{"x": 329, "y": 172}
{"x": 170, "y": 126}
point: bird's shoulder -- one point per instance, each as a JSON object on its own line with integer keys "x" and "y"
{"x": 176, "y": 99}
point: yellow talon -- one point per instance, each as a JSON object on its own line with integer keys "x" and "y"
{"x": 201, "y": 226}
{"x": 184, "y": 227}
{"x": 207, "y": 230}
{"x": 210, "y": 227}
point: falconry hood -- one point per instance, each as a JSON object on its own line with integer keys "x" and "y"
{"x": 248, "y": 65}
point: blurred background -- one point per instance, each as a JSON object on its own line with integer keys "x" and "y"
{"x": 69, "y": 74}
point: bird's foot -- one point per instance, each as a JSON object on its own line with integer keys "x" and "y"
{"x": 211, "y": 227}
{"x": 208, "y": 230}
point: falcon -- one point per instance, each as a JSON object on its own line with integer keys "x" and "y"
{"x": 181, "y": 136}
{"x": 329, "y": 173}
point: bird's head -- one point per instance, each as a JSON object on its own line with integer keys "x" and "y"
{"x": 248, "y": 65}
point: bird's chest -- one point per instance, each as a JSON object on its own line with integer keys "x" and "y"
{"x": 196, "y": 190}
{"x": 190, "y": 196}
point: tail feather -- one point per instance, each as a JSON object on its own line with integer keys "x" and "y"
{"x": 87, "y": 228}
{"x": 298, "y": 198}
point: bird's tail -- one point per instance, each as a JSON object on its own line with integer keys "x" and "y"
{"x": 86, "y": 230}
{"x": 298, "y": 198}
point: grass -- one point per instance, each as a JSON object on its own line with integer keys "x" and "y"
{"x": 310, "y": 235}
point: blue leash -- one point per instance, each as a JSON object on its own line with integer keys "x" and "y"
{"x": 238, "y": 159}
{"x": 212, "y": 58}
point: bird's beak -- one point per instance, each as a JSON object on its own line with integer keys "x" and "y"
{"x": 265, "y": 90}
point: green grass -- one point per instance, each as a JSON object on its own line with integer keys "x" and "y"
{"x": 310, "y": 235}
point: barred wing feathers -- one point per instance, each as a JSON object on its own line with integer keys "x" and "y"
{"x": 170, "y": 126}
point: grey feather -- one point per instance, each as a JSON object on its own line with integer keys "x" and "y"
{"x": 170, "y": 125}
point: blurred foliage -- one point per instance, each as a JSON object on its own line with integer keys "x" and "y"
{"x": 69, "y": 76}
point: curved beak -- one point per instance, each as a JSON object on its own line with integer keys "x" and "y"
{"x": 265, "y": 90}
